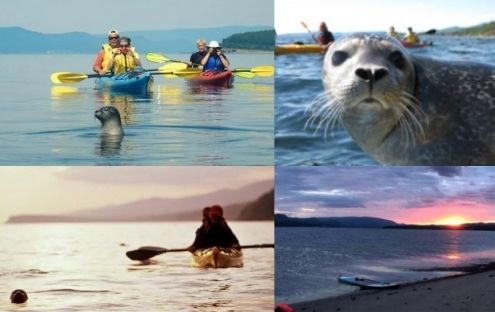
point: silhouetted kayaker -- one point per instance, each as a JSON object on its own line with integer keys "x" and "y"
{"x": 217, "y": 234}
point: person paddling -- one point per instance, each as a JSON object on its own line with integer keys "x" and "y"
{"x": 392, "y": 33}
{"x": 196, "y": 57}
{"x": 325, "y": 36}
{"x": 125, "y": 58}
{"x": 411, "y": 37}
{"x": 214, "y": 60}
{"x": 216, "y": 233}
{"x": 100, "y": 66}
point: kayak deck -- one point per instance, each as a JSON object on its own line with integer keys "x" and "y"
{"x": 420, "y": 44}
{"x": 366, "y": 283}
{"x": 216, "y": 257}
{"x": 294, "y": 48}
{"x": 213, "y": 78}
{"x": 130, "y": 82}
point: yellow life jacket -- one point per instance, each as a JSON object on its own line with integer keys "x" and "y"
{"x": 394, "y": 34}
{"x": 107, "y": 56}
{"x": 123, "y": 63}
{"x": 411, "y": 38}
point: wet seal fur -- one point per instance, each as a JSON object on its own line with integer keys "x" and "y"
{"x": 408, "y": 110}
{"x": 110, "y": 121}
{"x": 18, "y": 296}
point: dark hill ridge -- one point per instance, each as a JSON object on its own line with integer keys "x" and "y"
{"x": 467, "y": 227}
{"x": 252, "y": 202}
{"x": 20, "y": 40}
{"x": 348, "y": 222}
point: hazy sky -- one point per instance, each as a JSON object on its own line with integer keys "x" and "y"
{"x": 44, "y": 190}
{"x": 368, "y": 15}
{"x": 97, "y": 17}
{"x": 403, "y": 194}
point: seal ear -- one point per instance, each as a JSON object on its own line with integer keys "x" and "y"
{"x": 339, "y": 57}
{"x": 397, "y": 58}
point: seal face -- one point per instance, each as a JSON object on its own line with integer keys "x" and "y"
{"x": 110, "y": 121}
{"x": 408, "y": 110}
{"x": 18, "y": 296}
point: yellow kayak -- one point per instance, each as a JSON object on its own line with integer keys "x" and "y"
{"x": 216, "y": 257}
{"x": 298, "y": 48}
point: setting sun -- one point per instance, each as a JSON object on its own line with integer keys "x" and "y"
{"x": 452, "y": 220}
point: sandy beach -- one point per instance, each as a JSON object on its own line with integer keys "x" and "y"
{"x": 472, "y": 292}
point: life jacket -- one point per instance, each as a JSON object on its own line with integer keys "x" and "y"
{"x": 107, "y": 56}
{"x": 411, "y": 38}
{"x": 123, "y": 63}
{"x": 214, "y": 64}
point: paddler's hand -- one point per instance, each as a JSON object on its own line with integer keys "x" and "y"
{"x": 191, "y": 249}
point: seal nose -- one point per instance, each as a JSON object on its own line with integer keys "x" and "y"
{"x": 368, "y": 74}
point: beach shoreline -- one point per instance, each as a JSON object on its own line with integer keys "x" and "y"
{"x": 472, "y": 291}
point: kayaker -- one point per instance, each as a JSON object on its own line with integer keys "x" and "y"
{"x": 411, "y": 37}
{"x": 325, "y": 37}
{"x": 125, "y": 58}
{"x": 206, "y": 220}
{"x": 214, "y": 60}
{"x": 216, "y": 234}
{"x": 100, "y": 66}
{"x": 392, "y": 33}
{"x": 196, "y": 57}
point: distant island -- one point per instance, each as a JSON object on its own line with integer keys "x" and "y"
{"x": 337, "y": 222}
{"x": 467, "y": 227}
{"x": 257, "y": 40}
{"x": 250, "y": 203}
{"x": 23, "y": 41}
{"x": 482, "y": 30}
{"x": 375, "y": 223}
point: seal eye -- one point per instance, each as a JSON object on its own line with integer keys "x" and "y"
{"x": 339, "y": 57}
{"x": 398, "y": 59}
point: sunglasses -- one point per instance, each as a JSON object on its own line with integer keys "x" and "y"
{"x": 110, "y": 38}
{"x": 124, "y": 46}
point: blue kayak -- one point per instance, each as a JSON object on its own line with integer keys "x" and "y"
{"x": 131, "y": 82}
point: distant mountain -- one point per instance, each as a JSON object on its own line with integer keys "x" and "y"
{"x": 258, "y": 40}
{"x": 235, "y": 202}
{"x": 347, "y": 222}
{"x": 20, "y": 40}
{"x": 483, "y": 30}
{"x": 467, "y": 226}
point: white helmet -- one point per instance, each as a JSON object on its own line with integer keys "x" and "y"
{"x": 214, "y": 44}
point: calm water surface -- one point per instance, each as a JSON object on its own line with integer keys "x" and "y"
{"x": 176, "y": 124}
{"x": 309, "y": 260}
{"x": 298, "y": 82}
{"x": 83, "y": 267}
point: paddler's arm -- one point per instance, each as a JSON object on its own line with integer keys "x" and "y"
{"x": 207, "y": 56}
{"x": 223, "y": 59}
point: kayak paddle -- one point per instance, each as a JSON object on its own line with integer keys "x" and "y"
{"x": 260, "y": 71}
{"x": 147, "y": 252}
{"x": 160, "y": 58}
{"x": 307, "y": 28}
{"x": 69, "y": 77}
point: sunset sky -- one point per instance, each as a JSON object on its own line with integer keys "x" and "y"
{"x": 378, "y": 15}
{"x": 46, "y": 190}
{"x": 422, "y": 195}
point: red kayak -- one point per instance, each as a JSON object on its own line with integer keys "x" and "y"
{"x": 213, "y": 78}
{"x": 420, "y": 44}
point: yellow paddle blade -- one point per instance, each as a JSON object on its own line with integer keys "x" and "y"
{"x": 169, "y": 69}
{"x": 247, "y": 75}
{"x": 67, "y": 77}
{"x": 156, "y": 57}
{"x": 263, "y": 71}
{"x": 188, "y": 72}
